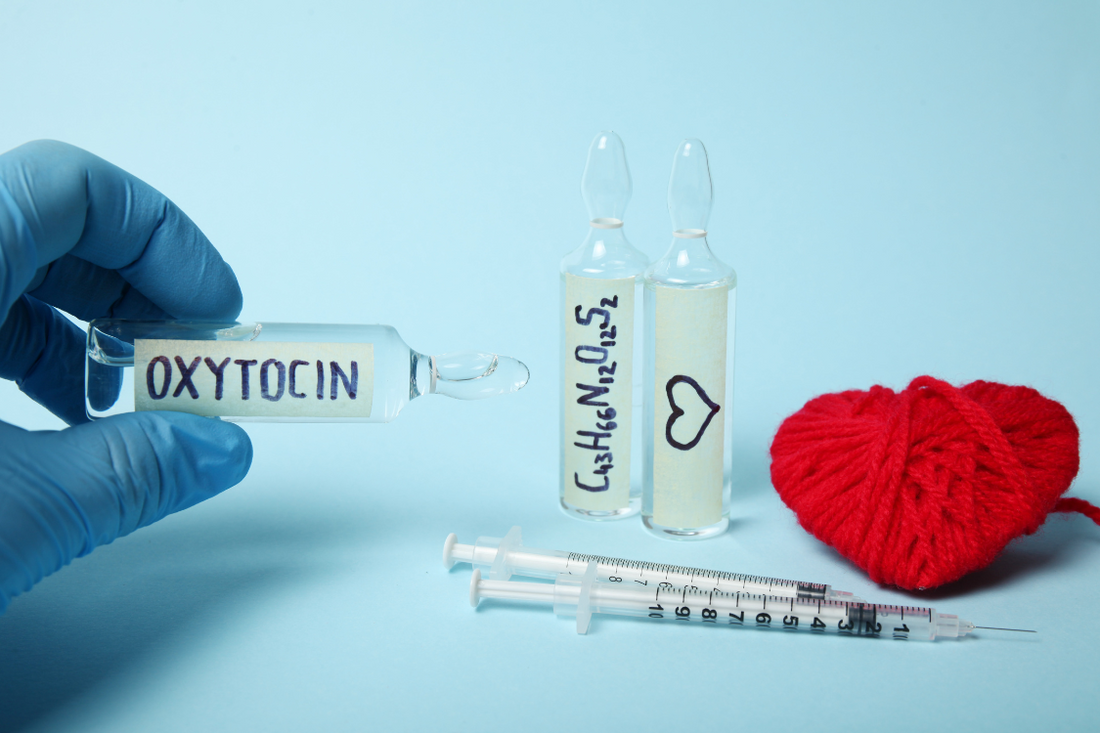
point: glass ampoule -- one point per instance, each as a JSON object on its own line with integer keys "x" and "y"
{"x": 601, "y": 339}
{"x": 277, "y": 372}
{"x": 690, "y": 301}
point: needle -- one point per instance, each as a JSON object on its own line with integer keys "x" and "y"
{"x": 1001, "y": 628}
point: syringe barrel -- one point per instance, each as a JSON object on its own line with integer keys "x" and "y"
{"x": 567, "y": 591}
{"x": 758, "y": 611}
{"x": 534, "y": 563}
{"x": 619, "y": 570}
{"x": 485, "y": 551}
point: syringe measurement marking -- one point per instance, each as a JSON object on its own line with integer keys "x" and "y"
{"x": 860, "y": 618}
{"x": 692, "y": 573}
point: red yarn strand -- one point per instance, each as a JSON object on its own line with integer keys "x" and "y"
{"x": 1078, "y": 505}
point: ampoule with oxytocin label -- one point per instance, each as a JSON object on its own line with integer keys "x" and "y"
{"x": 275, "y": 372}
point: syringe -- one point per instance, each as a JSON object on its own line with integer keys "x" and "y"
{"x": 507, "y": 556}
{"x": 581, "y": 596}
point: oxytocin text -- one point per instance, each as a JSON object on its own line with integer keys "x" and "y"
{"x": 254, "y": 379}
{"x": 275, "y": 379}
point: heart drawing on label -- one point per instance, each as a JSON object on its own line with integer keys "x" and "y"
{"x": 677, "y": 412}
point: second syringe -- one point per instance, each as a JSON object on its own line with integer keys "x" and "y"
{"x": 507, "y": 556}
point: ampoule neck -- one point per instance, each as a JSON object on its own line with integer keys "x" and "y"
{"x": 466, "y": 375}
{"x": 603, "y": 242}
{"x": 606, "y": 251}
{"x": 690, "y": 262}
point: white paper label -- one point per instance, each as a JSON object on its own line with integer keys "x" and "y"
{"x": 598, "y": 373}
{"x": 688, "y": 416}
{"x": 254, "y": 379}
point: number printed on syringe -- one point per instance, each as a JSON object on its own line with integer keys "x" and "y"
{"x": 789, "y": 614}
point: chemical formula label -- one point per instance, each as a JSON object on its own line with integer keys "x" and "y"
{"x": 254, "y": 379}
{"x": 688, "y": 416}
{"x": 599, "y": 376}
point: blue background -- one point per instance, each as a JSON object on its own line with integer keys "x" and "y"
{"x": 903, "y": 189}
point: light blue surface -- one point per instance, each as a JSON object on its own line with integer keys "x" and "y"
{"x": 902, "y": 190}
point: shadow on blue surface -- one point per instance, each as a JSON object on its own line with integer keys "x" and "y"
{"x": 97, "y": 620}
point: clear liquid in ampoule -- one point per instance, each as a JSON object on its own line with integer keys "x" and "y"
{"x": 689, "y": 345}
{"x": 276, "y": 372}
{"x": 600, "y": 395}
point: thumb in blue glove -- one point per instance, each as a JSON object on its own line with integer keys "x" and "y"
{"x": 67, "y": 492}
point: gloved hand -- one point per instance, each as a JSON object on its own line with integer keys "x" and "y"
{"x": 81, "y": 235}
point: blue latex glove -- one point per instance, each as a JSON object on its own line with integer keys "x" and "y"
{"x": 79, "y": 234}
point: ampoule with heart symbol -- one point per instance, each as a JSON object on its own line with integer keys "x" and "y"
{"x": 600, "y": 317}
{"x": 690, "y": 301}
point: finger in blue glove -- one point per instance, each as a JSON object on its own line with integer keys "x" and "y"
{"x": 67, "y": 492}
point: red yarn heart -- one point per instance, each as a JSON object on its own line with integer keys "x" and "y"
{"x": 921, "y": 487}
